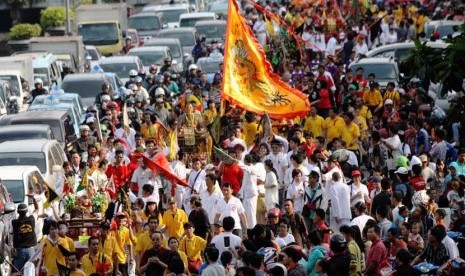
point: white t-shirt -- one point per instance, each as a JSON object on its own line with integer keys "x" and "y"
{"x": 232, "y": 208}
{"x": 354, "y": 190}
{"x": 284, "y": 241}
{"x": 361, "y": 221}
{"x": 220, "y": 241}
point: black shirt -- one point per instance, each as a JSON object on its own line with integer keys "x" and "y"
{"x": 339, "y": 265}
{"x": 155, "y": 269}
{"x": 24, "y": 235}
{"x": 200, "y": 220}
{"x": 381, "y": 199}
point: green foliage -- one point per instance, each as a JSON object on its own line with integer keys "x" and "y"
{"x": 53, "y": 17}
{"x": 24, "y": 31}
{"x": 98, "y": 201}
{"x": 69, "y": 202}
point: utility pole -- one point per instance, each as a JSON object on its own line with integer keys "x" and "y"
{"x": 68, "y": 20}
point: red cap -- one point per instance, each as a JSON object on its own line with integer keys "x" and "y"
{"x": 356, "y": 172}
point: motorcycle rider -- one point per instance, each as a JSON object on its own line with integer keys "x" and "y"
{"x": 39, "y": 89}
{"x": 167, "y": 66}
{"x": 132, "y": 76}
{"x": 105, "y": 91}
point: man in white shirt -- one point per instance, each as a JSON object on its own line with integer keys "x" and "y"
{"x": 196, "y": 181}
{"x": 143, "y": 175}
{"x": 394, "y": 147}
{"x": 179, "y": 169}
{"x": 249, "y": 189}
{"x": 340, "y": 213}
{"x": 280, "y": 164}
{"x": 449, "y": 243}
{"x": 230, "y": 206}
{"x": 210, "y": 197}
{"x": 227, "y": 239}
{"x": 361, "y": 217}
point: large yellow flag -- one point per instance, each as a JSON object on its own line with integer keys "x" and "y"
{"x": 248, "y": 78}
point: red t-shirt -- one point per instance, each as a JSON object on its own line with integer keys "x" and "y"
{"x": 418, "y": 183}
{"x": 120, "y": 175}
{"x": 378, "y": 254}
{"x": 396, "y": 247}
{"x": 232, "y": 174}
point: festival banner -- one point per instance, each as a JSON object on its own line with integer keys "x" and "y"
{"x": 249, "y": 81}
{"x": 50, "y": 195}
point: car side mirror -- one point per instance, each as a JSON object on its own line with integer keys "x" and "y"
{"x": 9, "y": 208}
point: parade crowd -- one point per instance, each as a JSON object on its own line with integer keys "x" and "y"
{"x": 369, "y": 183}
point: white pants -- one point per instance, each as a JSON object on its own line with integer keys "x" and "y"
{"x": 179, "y": 194}
{"x": 250, "y": 207}
{"x": 335, "y": 226}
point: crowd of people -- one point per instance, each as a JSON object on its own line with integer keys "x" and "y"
{"x": 366, "y": 184}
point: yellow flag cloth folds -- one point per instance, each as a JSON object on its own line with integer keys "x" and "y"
{"x": 249, "y": 81}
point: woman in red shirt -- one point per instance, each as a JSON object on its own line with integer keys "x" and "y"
{"x": 326, "y": 98}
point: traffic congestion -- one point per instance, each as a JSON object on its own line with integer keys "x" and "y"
{"x": 195, "y": 137}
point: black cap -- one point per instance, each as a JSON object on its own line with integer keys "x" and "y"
{"x": 22, "y": 208}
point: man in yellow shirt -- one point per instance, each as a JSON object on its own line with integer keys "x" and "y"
{"x": 72, "y": 264}
{"x": 372, "y": 98}
{"x": 350, "y": 132}
{"x": 174, "y": 219}
{"x": 123, "y": 240}
{"x": 332, "y": 126}
{"x": 107, "y": 243}
{"x": 314, "y": 123}
{"x": 55, "y": 249}
{"x": 192, "y": 245}
{"x": 250, "y": 129}
{"x": 62, "y": 230}
{"x": 392, "y": 94}
{"x": 144, "y": 242}
{"x": 95, "y": 262}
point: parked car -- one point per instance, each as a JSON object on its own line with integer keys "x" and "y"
{"x": 19, "y": 181}
{"x": 210, "y": 65}
{"x": 384, "y": 68}
{"x": 121, "y": 65}
{"x": 187, "y": 37}
{"x": 25, "y": 132}
{"x": 71, "y": 98}
{"x": 170, "y": 13}
{"x": 147, "y": 24}
{"x": 76, "y": 117}
{"x": 86, "y": 85}
{"x": 189, "y": 19}
{"x": 183, "y": 60}
{"x": 220, "y": 8}
{"x": 212, "y": 30}
{"x": 47, "y": 155}
{"x": 443, "y": 27}
{"x": 151, "y": 55}
{"x": 93, "y": 55}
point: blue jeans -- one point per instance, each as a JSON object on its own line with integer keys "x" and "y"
{"x": 23, "y": 255}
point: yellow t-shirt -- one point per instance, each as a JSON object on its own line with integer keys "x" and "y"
{"x": 333, "y": 128}
{"x": 122, "y": 240}
{"x": 249, "y": 132}
{"x": 107, "y": 246}
{"x": 362, "y": 125}
{"x": 52, "y": 255}
{"x": 175, "y": 222}
{"x": 145, "y": 218}
{"x": 192, "y": 247}
{"x": 70, "y": 242}
{"x": 77, "y": 272}
{"x": 349, "y": 134}
{"x": 365, "y": 112}
{"x": 372, "y": 97}
{"x": 89, "y": 265}
{"x": 394, "y": 96}
{"x": 315, "y": 125}
{"x": 144, "y": 243}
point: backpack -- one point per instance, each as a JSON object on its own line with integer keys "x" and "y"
{"x": 451, "y": 154}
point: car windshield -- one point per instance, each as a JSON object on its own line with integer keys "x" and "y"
{"x": 93, "y": 54}
{"x": 218, "y": 7}
{"x": 120, "y": 69}
{"x": 150, "y": 57}
{"x": 85, "y": 88}
{"x": 381, "y": 71}
{"x": 13, "y": 81}
{"x": 24, "y": 159}
{"x": 190, "y": 22}
{"x": 185, "y": 38}
{"x": 54, "y": 125}
{"x": 16, "y": 189}
{"x": 144, "y": 23}
{"x": 212, "y": 31}
{"x": 209, "y": 67}
{"x": 445, "y": 30}
{"x": 13, "y": 136}
{"x": 173, "y": 15}
{"x": 99, "y": 33}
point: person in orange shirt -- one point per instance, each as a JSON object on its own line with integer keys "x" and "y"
{"x": 439, "y": 216}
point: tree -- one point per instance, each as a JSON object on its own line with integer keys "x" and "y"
{"x": 53, "y": 17}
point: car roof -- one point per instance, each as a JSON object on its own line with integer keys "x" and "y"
{"x": 177, "y": 30}
{"x": 24, "y": 128}
{"x": 444, "y": 22}
{"x": 85, "y": 76}
{"x": 145, "y": 14}
{"x": 197, "y": 15}
{"x": 16, "y": 172}
{"x": 163, "y": 40}
{"x": 210, "y": 22}
{"x": 403, "y": 45}
{"x": 149, "y": 49}
{"x": 165, "y": 7}
{"x": 375, "y": 60}
{"x": 31, "y": 145}
{"x": 118, "y": 59}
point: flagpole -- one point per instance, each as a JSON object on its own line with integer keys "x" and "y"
{"x": 225, "y": 58}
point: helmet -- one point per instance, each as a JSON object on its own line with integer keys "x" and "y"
{"x": 193, "y": 66}
{"x": 274, "y": 212}
{"x": 152, "y": 67}
{"x": 132, "y": 73}
{"x": 105, "y": 86}
{"x": 105, "y": 98}
{"x": 112, "y": 105}
{"x": 159, "y": 92}
{"x": 141, "y": 72}
{"x": 132, "y": 86}
{"x": 138, "y": 99}
{"x": 148, "y": 76}
{"x": 167, "y": 74}
{"x": 84, "y": 128}
{"x": 273, "y": 265}
{"x": 128, "y": 38}
{"x": 138, "y": 79}
{"x": 337, "y": 242}
{"x": 38, "y": 81}
{"x": 269, "y": 255}
{"x": 22, "y": 208}
{"x": 159, "y": 78}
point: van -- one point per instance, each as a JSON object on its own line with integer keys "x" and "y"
{"x": 45, "y": 67}
{"x": 25, "y": 132}
{"x": 47, "y": 155}
{"x": 20, "y": 181}
{"x": 151, "y": 55}
{"x": 385, "y": 69}
{"x": 59, "y": 121}
{"x": 147, "y": 24}
{"x": 182, "y": 60}
{"x": 171, "y": 13}
{"x": 189, "y": 19}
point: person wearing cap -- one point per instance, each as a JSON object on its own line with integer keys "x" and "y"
{"x": 390, "y": 113}
{"x": 24, "y": 236}
{"x": 174, "y": 219}
{"x": 358, "y": 191}
{"x": 192, "y": 245}
{"x": 123, "y": 240}
{"x": 127, "y": 46}
{"x": 105, "y": 91}
{"x": 85, "y": 140}
{"x": 403, "y": 186}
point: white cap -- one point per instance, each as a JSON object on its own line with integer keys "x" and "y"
{"x": 90, "y": 120}
{"x": 84, "y": 127}
{"x": 388, "y": 101}
{"x": 401, "y": 170}
{"x": 414, "y": 161}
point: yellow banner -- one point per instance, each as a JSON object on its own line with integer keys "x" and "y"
{"x": 249, "y": 81}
